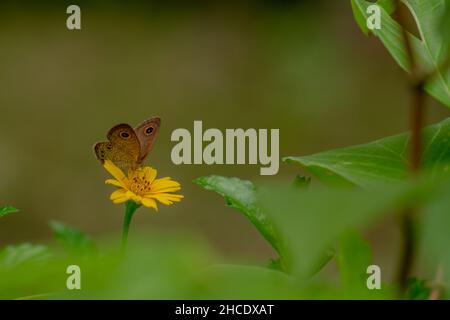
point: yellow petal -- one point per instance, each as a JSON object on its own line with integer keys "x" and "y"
{"x": 150, "y": 174}
{"x": 162, "y": 200}
{"x": 174, "y": 197}
{"x": 120, "y": 193}
{"x": 120, "y": 196}
{"x": 149, "y": 203}
{"x": 165, "y": 198}
{"x": 121, "y": 200}
{"x": 165, "y": 190}
{"x": 136, "y": 198}
{"x": 114, "y": 171}
{"x": 160, "y": 185}
{"x": 165, "y": 181}
{"x": 114, "y": 182}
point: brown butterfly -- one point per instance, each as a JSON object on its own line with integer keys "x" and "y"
{"x": 126, "y": 147}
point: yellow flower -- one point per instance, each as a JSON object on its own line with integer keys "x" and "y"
{"x": 142, "y": 187}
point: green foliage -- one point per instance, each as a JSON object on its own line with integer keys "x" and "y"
{"x": 359, "y": 9}
{"x": 251, "y": 280}
{"x": 417, "y": 290}
{"x": 312, "y": 221}
{"x": 13, "y": 256}
{"x": 436, "y": 237}
{"x": 241, "y": 195}
{"x": 166, "y": 266}
{"x": 301, "y": 182}
{"x": 390, "y": 33}
{"x": 381, "y": 161}
{"x": 353, "y": 257}
{"x": 388, "y": 5}
{"x": 5, "y": 210}
{"x": 431, "y": 50}
{"x": 275, "y": 264}
{"x": 73, "y": 240}
{"x": 445, "y": 23}
{"x": 180, "y": 267}
{"x": 360, "y": 12}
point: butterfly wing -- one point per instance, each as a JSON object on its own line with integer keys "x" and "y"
{"x": 122, "y": 147}
{"x": 146, "y": 133}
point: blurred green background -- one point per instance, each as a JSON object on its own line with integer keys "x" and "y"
{"x": 301, "y": 66}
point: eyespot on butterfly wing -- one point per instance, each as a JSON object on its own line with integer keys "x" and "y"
{"x": 147, "y": 133}
{"x": 122, "y": 147}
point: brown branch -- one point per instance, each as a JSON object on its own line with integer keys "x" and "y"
{"x": 415, "y": 156}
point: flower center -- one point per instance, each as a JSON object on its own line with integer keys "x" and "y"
{"x": 140, "y": 185}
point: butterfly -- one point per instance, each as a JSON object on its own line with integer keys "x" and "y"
{"x": 126, "y": 147}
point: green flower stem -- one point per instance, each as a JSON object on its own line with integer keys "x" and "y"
{"x": 130, "y": 209}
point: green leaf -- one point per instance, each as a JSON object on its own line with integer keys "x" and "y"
{"x": 435, "y": 236}
{"x": 428, "y": 17}
{"x": 275, "y": 264}
{"x": 5, "y": 210}
{"x": 417, "y": 289}
{"x": 250, "y": 282}
{"x": 381, "y": 161}
{"x": 311, "y": 221}
{"x": 360, "y": 17}
{"x": 73, "y": 240}
{"x": 353, "y": 257}
{"x": 301, "y": 182}
{"x": 241, "y": 195}
{"x": 434, "y": 49}
{"x": 388, "y": 5}
{"x": 390, "y": 33}
{"x": 445, "y": 24}
{"x": 360, "y": 11}
{"x": 431, "y": 50}
{"x": 13, "y": 256}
